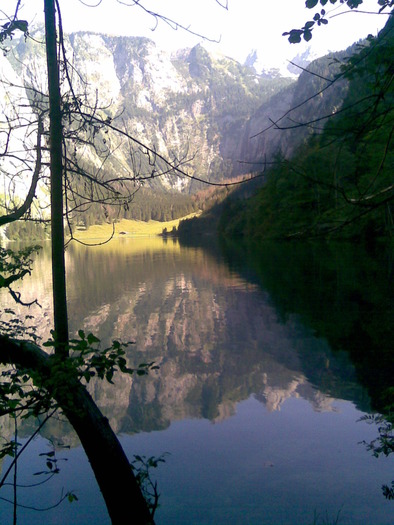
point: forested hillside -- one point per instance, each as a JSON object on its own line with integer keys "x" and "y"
{"x": 146, "y": 205}
{"x": 340, "y": 181}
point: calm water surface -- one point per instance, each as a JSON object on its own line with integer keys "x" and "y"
{"x": 256, "y": 410}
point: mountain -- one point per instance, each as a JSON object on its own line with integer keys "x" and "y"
{"x": 276, "y": 128}
{"x": 339, "y": 182}
{"x": 217, "y": 118}
{"x": 288, "y": 68}
{"x": 187, "y": 105}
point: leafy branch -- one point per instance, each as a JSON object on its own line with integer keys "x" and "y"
{"x": 142, "y": 467}
{"x": 320, "y": 18}
{"x": 383, "y": 445}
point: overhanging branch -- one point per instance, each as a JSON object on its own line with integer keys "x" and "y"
{"x": 93, "y": 430}
{"x": 25, "y": 207}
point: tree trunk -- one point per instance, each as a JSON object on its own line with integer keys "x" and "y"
{"x": 124, "y": 500}
{"x": 56, "y": 176}
{"x": 123, "y": 497}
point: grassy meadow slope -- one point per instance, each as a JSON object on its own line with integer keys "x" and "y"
{"x": 128, "y": 228}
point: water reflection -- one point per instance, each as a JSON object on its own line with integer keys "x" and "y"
{"x": 231, "y": 354}
{"x": 343, "y": 293}
{"x": 217, "y": 338}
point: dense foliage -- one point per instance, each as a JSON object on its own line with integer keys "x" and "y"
{"x": 146, "y": 205}
{"x": 340, "y": 182}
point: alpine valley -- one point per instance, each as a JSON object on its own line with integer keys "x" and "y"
{"x": 190, "y": 105}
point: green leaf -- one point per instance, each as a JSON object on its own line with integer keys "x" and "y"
{"x": 108, "y": 376}
{"x": 310, "y": 4}
{"x": 71, "y": 497}
{"x": 81, "y": 334}
{"x": 48, "y": 454}
{"x": 13, "y": 403}
{"x": 22, "y": 25}
{"x": 122, "y": 361}
{"x": 295, "y": 36}
{"x": 92, "y": 339}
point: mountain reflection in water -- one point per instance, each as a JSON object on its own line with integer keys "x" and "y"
{"x": 216, "y": 338}
{"x": 219, "y": 339}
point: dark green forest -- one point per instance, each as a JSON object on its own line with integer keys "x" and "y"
{"x": 339, "y": 183}
{"x": 146, "y": 205}
{"x": 342, "y": 290}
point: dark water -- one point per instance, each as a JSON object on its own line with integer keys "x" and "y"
{"x": 268, "y": 358}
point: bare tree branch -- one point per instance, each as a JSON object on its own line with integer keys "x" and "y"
{"x": 25, "y": 207}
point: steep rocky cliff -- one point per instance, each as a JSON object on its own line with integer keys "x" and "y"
{"x": 190, "y": 105}
{"x": 206, "y": 109}
{"x": 281, "y": 124}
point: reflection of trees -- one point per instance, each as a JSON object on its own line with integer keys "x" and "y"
{"x": 217, "y": 339}
{"x": 35, "y": 286}
{"x": 345, "y": 295}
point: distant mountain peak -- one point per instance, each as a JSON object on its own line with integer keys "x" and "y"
{"x": 264, "y": 66}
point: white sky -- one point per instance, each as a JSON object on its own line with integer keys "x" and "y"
{"x": 246, "y": 25}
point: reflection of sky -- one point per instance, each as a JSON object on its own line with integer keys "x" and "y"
{"x": 36, "y": 286}
{"x": 273, "y": 468}
{"x": 256, "y": 467}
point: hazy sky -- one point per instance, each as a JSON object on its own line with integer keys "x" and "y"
{"x": 246, "y": 25}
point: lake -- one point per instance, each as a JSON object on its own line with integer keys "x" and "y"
{"x": 268, "y": 359}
